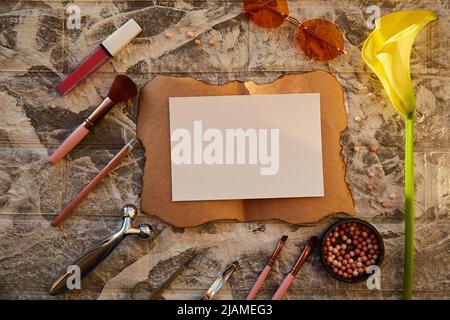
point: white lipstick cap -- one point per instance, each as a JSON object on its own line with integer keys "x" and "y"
{"x": 121, "y": 37}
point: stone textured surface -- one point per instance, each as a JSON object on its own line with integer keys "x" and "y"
{"x": 36, "y": 48}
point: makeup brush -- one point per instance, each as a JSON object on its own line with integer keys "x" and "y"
{"x": 310, "y": 245}
{"x": 265, "y": 272}
{"x": 122, "y": 89}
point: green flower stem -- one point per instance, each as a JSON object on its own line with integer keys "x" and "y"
{"x": 408, "y": 266}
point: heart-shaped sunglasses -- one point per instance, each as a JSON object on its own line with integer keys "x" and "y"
{"x": 319, "y": 39}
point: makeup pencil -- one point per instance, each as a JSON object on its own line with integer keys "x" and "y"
{"x": 122, "y": 89}
{"x": 265, "y": 272}
{"x": 107, "y": 49}
{"x": 103, "y": 173}
{"x": 300, "y": 261}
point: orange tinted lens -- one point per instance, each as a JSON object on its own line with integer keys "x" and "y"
{"x": 320, "y": 39}
{"x": 266, "y": 13}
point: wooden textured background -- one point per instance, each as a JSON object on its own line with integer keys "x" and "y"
{"x": 37, "y": 47}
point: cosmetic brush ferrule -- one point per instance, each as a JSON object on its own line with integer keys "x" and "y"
{"x": 301, "y": 260}
{"x": 99, "y": 113}
{"x": 277, "y": 251}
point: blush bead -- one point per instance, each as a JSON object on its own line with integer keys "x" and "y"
{"x": 354, "y": 249}
{"x": 213, "y": 42}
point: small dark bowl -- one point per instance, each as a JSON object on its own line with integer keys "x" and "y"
{"x": 329, "y": 269}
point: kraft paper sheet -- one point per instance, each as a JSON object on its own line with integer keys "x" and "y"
{"x": 153, "y": 131}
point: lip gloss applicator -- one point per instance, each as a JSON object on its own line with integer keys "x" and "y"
{"x": 107, "y": 49}
{"x": 122, "y": 89}
{"x": 94, "y": 182}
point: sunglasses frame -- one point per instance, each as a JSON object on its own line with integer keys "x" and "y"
{"x": 300, "y": 25}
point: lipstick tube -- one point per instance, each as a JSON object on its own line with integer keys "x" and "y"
{"x": 102, "y": 174}
{"x": 107, "y": 49}
{"x": 83, "y": 129}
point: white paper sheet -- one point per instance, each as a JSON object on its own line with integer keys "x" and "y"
{"x": 246, "y": 147}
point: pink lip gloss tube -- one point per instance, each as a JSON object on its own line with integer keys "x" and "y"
{"x": 107, "y": 49}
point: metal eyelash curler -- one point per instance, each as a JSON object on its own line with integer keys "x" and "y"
{"x": 95, "y": 256}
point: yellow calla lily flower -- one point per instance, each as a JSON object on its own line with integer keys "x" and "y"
{"x": 387, "y": 52}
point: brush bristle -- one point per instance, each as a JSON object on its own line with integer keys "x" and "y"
{"x": 122, "y": 89}
{"x": 312, "y": 242}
